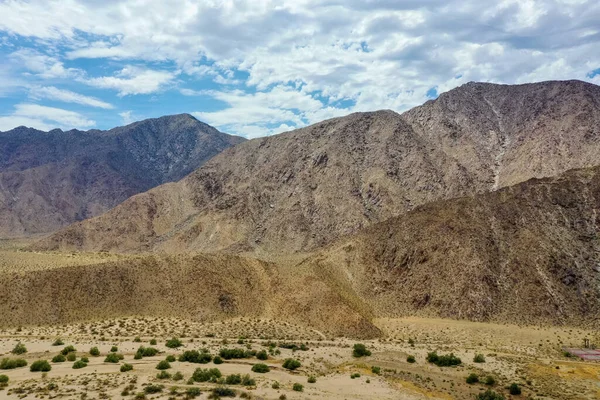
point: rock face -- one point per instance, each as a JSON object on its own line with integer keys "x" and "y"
{"x": 303, "y": 189}
{"x": 52, "y": 179}
{"x": 528, "y": 253}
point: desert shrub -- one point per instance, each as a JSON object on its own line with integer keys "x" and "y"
{"x": 171, "y": 358}
{"x": 94, "y": 351}
{"x": 291, "y": 364}
{"x": 514, "y": 389}
{"x": 479, "y": 358}
{"x": 376, "y": 370}
{"x": 79, "y": 364}
{"x": 67, "y": 350}
{"x": 193, "y": 392}
{"x": 137, "y": 339}
{"x": 218, "y": 360}
{"x": 58, "y": 342}
{"x": 8, "y": 363}
{"x": 248, "y": 381}
{"x": 197, "y": 357}
{"x": 85, "y": 359}
{"x": 228, "y": 354}
{"x": 490, "y": 395}
{"x": 312, "y": 379}
{"x": 150, "y": 389}
{"x": 113, "y": 358}
{"x": 71, "y": 357}
{"x": 445, "y": 360}
{"x": 59, "y": 358}
{"x": 233, "y": 379}
{"x": 126, "y": 367}
{"x": 19, "y": 349}
{"x": 411, "y": 359}
{"x": 177, "y": 376}
{"x": 360, "y": 350}
{"x": 206, "y": 375}
{"x": 260, "y": 368}
{"x": 472, "y": 378}
{"x": 164, "y": 364}
{"x": 222, "y": 391}
{"x": 262, "y": 355}
{"x": 163, "y": 375}
{"x": 40, "y": 366}
{"x": 489, "y": 380}
{"x": 297, "y": 387}
{"x": 275, "y": 385}
{"x": 173, "y": 343}
{"x": 355, "y": 375}
{"x": 153, "y": 342}
{"x": 114, "y": 349}
{"x": 3, "y": 379}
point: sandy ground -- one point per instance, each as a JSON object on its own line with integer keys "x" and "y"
{"x": 529, "y": 356}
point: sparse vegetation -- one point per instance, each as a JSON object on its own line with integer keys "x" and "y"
{"x": 8, "y": 363}
{"x": 94, "y": 351}
{"x": 291, "y": 364}
{"x": 228, "y": 354}
{"x": 472, "y": 378}
{"x": 360, "y": 350}
{"x": 126, "y": 367}
{"x": 67, "y": 350}
{"x": 194, "y": 356}
{"x": 3, "y": 379}
{"x": 206, "y": 375}
{"x": 58, "y": 342}
{"x": 193, "y": 392}
{"x": 71, "y": 357}
{"x": 222, "y": 391}
{"x": 260, "y": 368}
{"x": 446, "y": 360}
{"x": 297, "y": 387}
{"x": 59, "y": 358}
{"x": 355, "y": 375}
{"x": 479, "y": 358}
{"x": 40, "y": 366}
{"x": 79, "y": 364}
{"x": 490, "y": 395}
{"x": 114, "y": 349}
{"x": 411, "y": 359}
{"x": 489, "y": 380}
{"x": 163, "y": 375}
{"x": 312, "y": 379}
{"x": 174, "y": 343}
{"x": 376, "y": 370}
{"x": 113, "y": 358}
{"x": 262, "y": 355}
{"x": 514, "y": 389}
{"x": 151, "y": 389}
{"x": 19, "y": 349}
{"x": 218, "y": 360}
{"x": 164, "y": 364}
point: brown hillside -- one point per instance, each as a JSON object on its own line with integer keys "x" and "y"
{"x": 300, "y": 190}
{"x": 528, "y": 253}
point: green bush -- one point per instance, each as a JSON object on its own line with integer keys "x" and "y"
{"x": 479, "y": 358}
{"x": 163, "y": 375}
{"x": 262, "y": 355}
{"x": 151, "y": 389}
{"x": 85, "y": 359}
{"x": 233, "y": 379}
{"x": 171, "y": 358}
{"x": 291, "y": 364}
{"x": 58, "y": 342}
{"x": 218, "y": 360}
{"x": 59, "y": 358}
{"x": 126, "y": 367}
{"x": 173, "y": 343}
{"x": 137, "y": 339}
{"x": 312, "y": 379}
{"x": 260, "y": 368}
{"x": 19, "y": 349}
{"x": 79, "y": 364}
{"x": 489, "y": 380}
{"x": 275, "y": 385}
{"x": 194, "y": 356}
{"x": 94, "y": 351}
{"x": 164, "y": 364}
{"x": 40, "y": 366}
{"x": 114, "y": 349}
{"x": 490, "y": 395}
{"x": 193, "y": 392}
{"x": 376, "y": 370}
{"x": 297, "y": 387}
{"x": 113, "y": 358}
{"x": 67, "y": 350}
{"x": 153, "y": 342}
{"x": 446, "y": 360}
{"x": 222, "y": 391}
{"x": 514, "y": 389}
{"x": 71, "y": 357}
{"x": 7, "y": 363}
{"x": 3, "y": 379}
{"x": 146, "y": 352}
{"x": 177, "y": 376}
{"x": 206, "y": 375}
{"x": 360, "y": 350}
{"x": 355, "y": 375}
{"x": 228, "y": 354}
{"x": 411, "y": 359}
{"x": 248, "y": 381}
{"x": 472, "y": 378}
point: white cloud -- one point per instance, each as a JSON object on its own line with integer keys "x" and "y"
{"x": 127, "y": 117}
{"x": 43, "y": 65}
{"x": 134, "y": 80}
{"x": 44, "y": 118}
{"x": 53, "y": 93}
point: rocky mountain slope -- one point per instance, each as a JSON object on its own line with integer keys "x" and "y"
{"x": 52, "y": 179}
{"x": 303, "y": 189}
{"x": 528, "y": 253}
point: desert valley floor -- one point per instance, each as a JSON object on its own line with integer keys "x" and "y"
{"x": 531, "y": 357}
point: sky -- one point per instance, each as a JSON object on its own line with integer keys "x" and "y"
{"x": 259, "y": 67}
